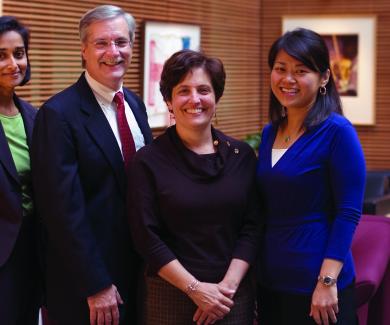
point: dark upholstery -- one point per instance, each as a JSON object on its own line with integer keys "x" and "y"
{"x": 377, "y": 193}
{"x": 371, "y": 252}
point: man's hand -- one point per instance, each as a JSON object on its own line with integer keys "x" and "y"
{"x": 103, "y": 307}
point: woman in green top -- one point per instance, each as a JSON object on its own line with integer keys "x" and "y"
{"x": 19, "y": 271}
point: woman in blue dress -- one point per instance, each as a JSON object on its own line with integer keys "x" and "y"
{"x": 311, "y": 174}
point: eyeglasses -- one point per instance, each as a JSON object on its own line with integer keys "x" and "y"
{"x": 103, "y": 44}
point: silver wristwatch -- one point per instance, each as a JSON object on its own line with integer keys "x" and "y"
{"x": 327, "y": 280}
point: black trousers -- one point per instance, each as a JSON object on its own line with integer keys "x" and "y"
{"x": 20, "y": 291}
{"x": 279, "y": 308}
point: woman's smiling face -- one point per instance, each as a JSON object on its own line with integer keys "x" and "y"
{"x": 294, "y": 84}
{"x": 13, "y": 60}
{"x": 193, "y": 100}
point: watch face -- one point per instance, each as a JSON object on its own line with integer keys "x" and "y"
{"x": 328, "y": 280}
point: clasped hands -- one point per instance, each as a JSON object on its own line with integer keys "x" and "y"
{"x": 214, "y": 302}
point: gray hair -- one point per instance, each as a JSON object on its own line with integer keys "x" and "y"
{"x": 102, "y": 13}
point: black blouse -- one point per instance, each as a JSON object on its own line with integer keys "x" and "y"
{"x": 199, "y": 209}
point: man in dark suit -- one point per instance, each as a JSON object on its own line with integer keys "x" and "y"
{"x": 83, "y": 138}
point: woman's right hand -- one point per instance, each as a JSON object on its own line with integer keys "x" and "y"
{"x": 213, "y": 302}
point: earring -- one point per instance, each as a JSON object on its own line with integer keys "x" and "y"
{"x": 215, "y": 118}
{"x": 283, "y": 112}
{"x": 171, "y": 118}
{"x": 323, "y": 90}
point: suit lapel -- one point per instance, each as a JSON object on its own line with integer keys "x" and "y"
{"x": 6, "y": 157}
{"x": 28, "y": 115}
{"x": 99, "y": 129}
{"x": 139, "y": 115}
{"x": 5, "y": 153}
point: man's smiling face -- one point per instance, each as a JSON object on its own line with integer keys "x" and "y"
{"x": 107, "y": 64}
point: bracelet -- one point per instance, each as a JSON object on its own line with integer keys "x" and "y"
{"x": 191, "y": 288}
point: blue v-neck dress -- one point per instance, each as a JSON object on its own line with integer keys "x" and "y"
{"x": 312, "y": 204}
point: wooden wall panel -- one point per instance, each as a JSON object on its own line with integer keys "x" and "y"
{"x": 375, "y": 139}
{"x": 240, "y": 32}
{"x": 230, "y": 30}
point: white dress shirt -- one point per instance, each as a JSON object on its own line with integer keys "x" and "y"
{"x": 105, "y": 98}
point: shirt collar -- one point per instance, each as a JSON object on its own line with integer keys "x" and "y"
{"x": 102, "y": 92}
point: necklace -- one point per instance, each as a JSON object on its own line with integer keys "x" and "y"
{"x": 289, "y": 137}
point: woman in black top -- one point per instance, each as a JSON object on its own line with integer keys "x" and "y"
{"x": 19, "y": 273}
{"x": 193, "y": 210}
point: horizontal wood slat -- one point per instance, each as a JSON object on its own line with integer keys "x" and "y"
{"x": 239, "y": 32}
{"x": 229, "y": 29}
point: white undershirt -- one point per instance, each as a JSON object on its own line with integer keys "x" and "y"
{"x": 276, "y": 155}
{"x": 105, "y": 97}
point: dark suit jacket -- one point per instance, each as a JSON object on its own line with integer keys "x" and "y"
{"x": 80, "y": 187}
{"x": 20, "y": 273}
{"x": 10, "y": 188}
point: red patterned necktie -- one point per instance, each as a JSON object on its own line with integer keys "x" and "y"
{"x": 128, "y": 145}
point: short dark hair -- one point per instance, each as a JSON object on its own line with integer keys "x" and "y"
{"x": 309, "y": 48}
{"x": 9, "y": 24}
{"x": 180, "y": 63}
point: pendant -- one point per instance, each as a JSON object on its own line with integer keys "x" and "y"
{"x": 287, "y": 139}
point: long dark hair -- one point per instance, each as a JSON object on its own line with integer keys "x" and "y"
{"x": 9, "y": 24}
{"x": 309, "y": 48}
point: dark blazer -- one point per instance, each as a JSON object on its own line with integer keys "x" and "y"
{"x": 10, "y": 187}
{"x": 20, "y": 273}
{"x": 80, "y": 187}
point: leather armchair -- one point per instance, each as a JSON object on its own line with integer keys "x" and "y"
{"x": 371, "y": 252}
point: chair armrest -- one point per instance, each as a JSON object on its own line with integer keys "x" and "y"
{"x": 379, "y": 205}
{"x": 370, "y": 249}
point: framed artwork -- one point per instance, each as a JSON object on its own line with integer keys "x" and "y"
{"x": 351, "y": 44}
{"x": 161, "y": 40}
